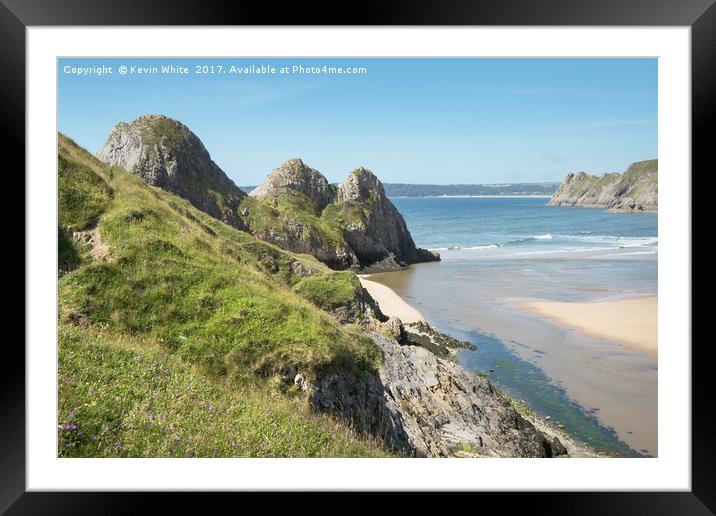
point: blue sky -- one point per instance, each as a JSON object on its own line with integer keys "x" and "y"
{"x": 434, "y": 121}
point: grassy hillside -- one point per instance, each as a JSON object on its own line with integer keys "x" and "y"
{"x": 123, "y": 396}
{"x": 329, "y": 290}
{"x": 207, "y": 309}
{"x": 83, "y": 195}
{"x": 642, "y": 177}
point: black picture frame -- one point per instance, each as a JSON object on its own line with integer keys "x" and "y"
{"x": 700, "y": 15}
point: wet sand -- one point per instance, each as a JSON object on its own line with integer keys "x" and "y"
{"x": 390, "y": 303}
{"x": 614, "y": 383}
{"x": 631, "y": 322}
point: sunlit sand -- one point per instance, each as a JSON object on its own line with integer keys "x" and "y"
{"x": 391, "y": 304}
{"x": 631, "y": 322}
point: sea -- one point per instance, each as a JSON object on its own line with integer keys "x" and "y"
{"x": 500, "y": 251}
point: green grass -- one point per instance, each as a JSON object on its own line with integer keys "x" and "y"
{"x": 83, "y": 194}
{"x": 276, "y": 213}
{"x": 330, "y": 290}
{"x": 642, "y": 177}
{"x": 289, "y": 200}
{"x": 129, "y": 399}
{"x": 168, "y": 132}
{"x": 69, "y": 254}
{"x": 346, "y": 214}
{"x": 217, "y": 300}
{"x": 647, "y": 167}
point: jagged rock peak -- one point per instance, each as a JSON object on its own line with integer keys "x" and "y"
{"x": 166, "y": 154}
{"x": 147, "y": 131}
{"x": 377, "y": 233}
{"x": 360, "y": 184}
{"x": 295, "y": 175}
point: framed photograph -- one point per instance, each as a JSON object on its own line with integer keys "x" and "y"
{"x": 426, "y": 249}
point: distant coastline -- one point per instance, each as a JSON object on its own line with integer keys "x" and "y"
{"x": 507, "y": 190}
{"x": 497, "y": 196}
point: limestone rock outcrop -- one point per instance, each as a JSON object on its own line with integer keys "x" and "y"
{"x": 424, "y": 406}
{"x": 166, "y": 154}
{"x": 634, "y": 190}
{"x": 374, "y": 228}
{"x": 353, "y": 225}
{"x": 295, "y": 176}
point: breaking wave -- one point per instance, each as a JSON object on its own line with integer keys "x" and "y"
{"x": 604, "y": 241}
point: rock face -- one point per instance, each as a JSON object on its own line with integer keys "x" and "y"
{"x": 295, "y": 196}
{"x": 634, "y": 190}
{"x": 422, "y": 334}
{"x": 300, "y": 236}
{"x": 296, "y": 176}
{"x": 352, "y": 226}
{"x": 376, "y": 231}
{"x": 166, "y": 154}
{"x": 424, "y": 406}
{"x": 357, "y": 309}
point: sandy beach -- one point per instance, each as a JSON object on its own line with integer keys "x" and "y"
{"x": 631, "y": 322}
{"x": 391, "y": 304}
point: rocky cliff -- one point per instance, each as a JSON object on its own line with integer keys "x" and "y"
{"x": 166, "y": 154}
{"x": 634, "y": 190}
{"x": 372, "y": 226}
{"x": 294, "y": 177}
{"x": 286, "y": 210}
{"x": 352, "y": 226}
{"x": 424, "y": 406}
